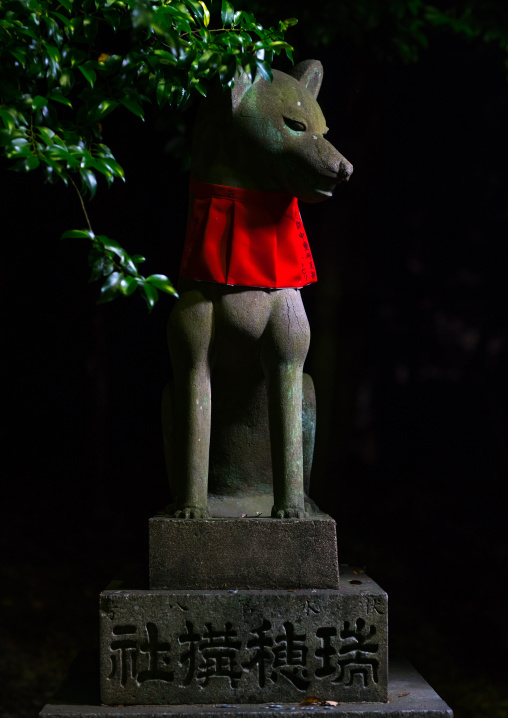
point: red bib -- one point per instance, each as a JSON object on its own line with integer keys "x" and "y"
{"x": 246, "y": 237}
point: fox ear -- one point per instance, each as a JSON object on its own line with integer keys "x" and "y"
{"x": 310, "y": 74}
{"x": 242, "y": 84}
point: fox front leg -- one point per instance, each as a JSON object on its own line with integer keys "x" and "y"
{"x": 189, "y": 338}
{"x": 285, "y": 347}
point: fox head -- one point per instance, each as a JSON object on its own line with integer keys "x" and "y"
{"x": 270, "y": 136}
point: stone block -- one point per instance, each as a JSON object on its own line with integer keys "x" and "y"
{"x": 248, "y": 553}
{"x": 244, "y": 646}
{"x": 409, "y": 696}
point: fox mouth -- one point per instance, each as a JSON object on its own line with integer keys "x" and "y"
{"x": 329, "y": 181}
{"x": 326, "y": 184}
{"x": 325, "y": 192}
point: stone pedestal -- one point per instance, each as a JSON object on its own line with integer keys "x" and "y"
{"x": 245, "y": 617}
{"x": 239, "y": 646}
{"x": 244, "y": 610}
{"x": 243, "y": 553}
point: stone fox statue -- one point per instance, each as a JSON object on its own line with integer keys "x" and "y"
{"x": 238, "y": 441}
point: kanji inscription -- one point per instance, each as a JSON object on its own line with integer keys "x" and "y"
{"x": 165, "y": 647}
{"x": 272, "y": 653}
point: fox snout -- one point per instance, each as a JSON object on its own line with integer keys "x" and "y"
{"x": 345, "y": 170}
{"x": 335, "y": 165}
{"x": 338, "y": 167}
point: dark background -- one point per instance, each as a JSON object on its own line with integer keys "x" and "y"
{"x": 409, "y": 348}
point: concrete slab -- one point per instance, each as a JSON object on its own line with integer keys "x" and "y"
{"x": 409, "y": 696}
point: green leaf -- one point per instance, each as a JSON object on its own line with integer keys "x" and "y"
{"x": 280, "y": 44}
{"x": 57, "y": 152}
{"x": 89, "y": 181}
{"x": 161, "y": 282}
{"x": 112, "y": 17}
{"x": 100, "y": 165}
{"x": 88, "y": 73}
{"x": 197, "y": 8}
{"x": 207, "y": 61}
{"x": 97, "y": 265}
{"x": 264, "y": 70}
{"x": 138, "y": 259}
{"x": 168, "y": 57}
{"x": 76, "y": 24}
{"x": 107, "y": 242}
{"x": 128, "y": 285}
{"x": 20, "y": 142}
{"x": 199, "y": 87}
{"x": 161, "y": 92}
{"x": 67, "y": 79}
{"x": 90, "y": 27}
{"x": 19, "y": 53}
{"x": 227, "y": 13}
{"x": 150, "y": 293}
{"x": 115, "y": 167}
{"x": 133, "y": 105}
{"x": 32, "y": 162}
{"x": 8, "y": 119}
{"x": 67, "y": 4}
{"x": 57, "y": 96}
{"x": 168, "y": 18}
{"x": 108, "y": 267}
{"x": 105, "y": 107}
{"x": 46, "y": 135}
{"x": 39, "y": 102}
{"x": 227, "y": 69}
{"x": 206, "y": 14}
{"x": 249, "y": 65}
{"x": 53, "y": 52}
{"x": 77, "y": 56}
{"x": 78, "y": 234}
{"x": 21, "y": 165}
{"x": 111, "y": 287}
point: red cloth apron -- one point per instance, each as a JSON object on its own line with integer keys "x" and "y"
{"x": 246, "y": 237}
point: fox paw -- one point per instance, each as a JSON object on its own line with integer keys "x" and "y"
{"x": 191, "y": 512}
{"x": 289, "y": 512}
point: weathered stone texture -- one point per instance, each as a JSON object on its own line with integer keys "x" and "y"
{"x": 249, "y": 553}
{"x": 409, "y": 696}
{"x": 180, "y": 647}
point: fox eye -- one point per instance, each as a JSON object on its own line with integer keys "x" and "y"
{"x": 294, "y": 124}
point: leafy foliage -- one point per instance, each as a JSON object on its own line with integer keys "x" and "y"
{"x": 64, "y": 67}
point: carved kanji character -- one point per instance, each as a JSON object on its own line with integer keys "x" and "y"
{"x": 263, "y": 657}
{"x": 326, "y": 652}
{"x": 155, "y": 650}
{"x": 358, "y": 654}
{"x": 291, "y": 657}
{"x": 124, "y": 663}
{"x": 218, "y": 651}
{"x": 191, "y": 655}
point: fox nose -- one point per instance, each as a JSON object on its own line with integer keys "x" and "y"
{"x": 345, "y": 170}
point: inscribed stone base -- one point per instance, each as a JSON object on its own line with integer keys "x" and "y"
{"x": 186, "y": 647}
{"x": 248, "y": 553}
{"x": 409, "y": 696}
